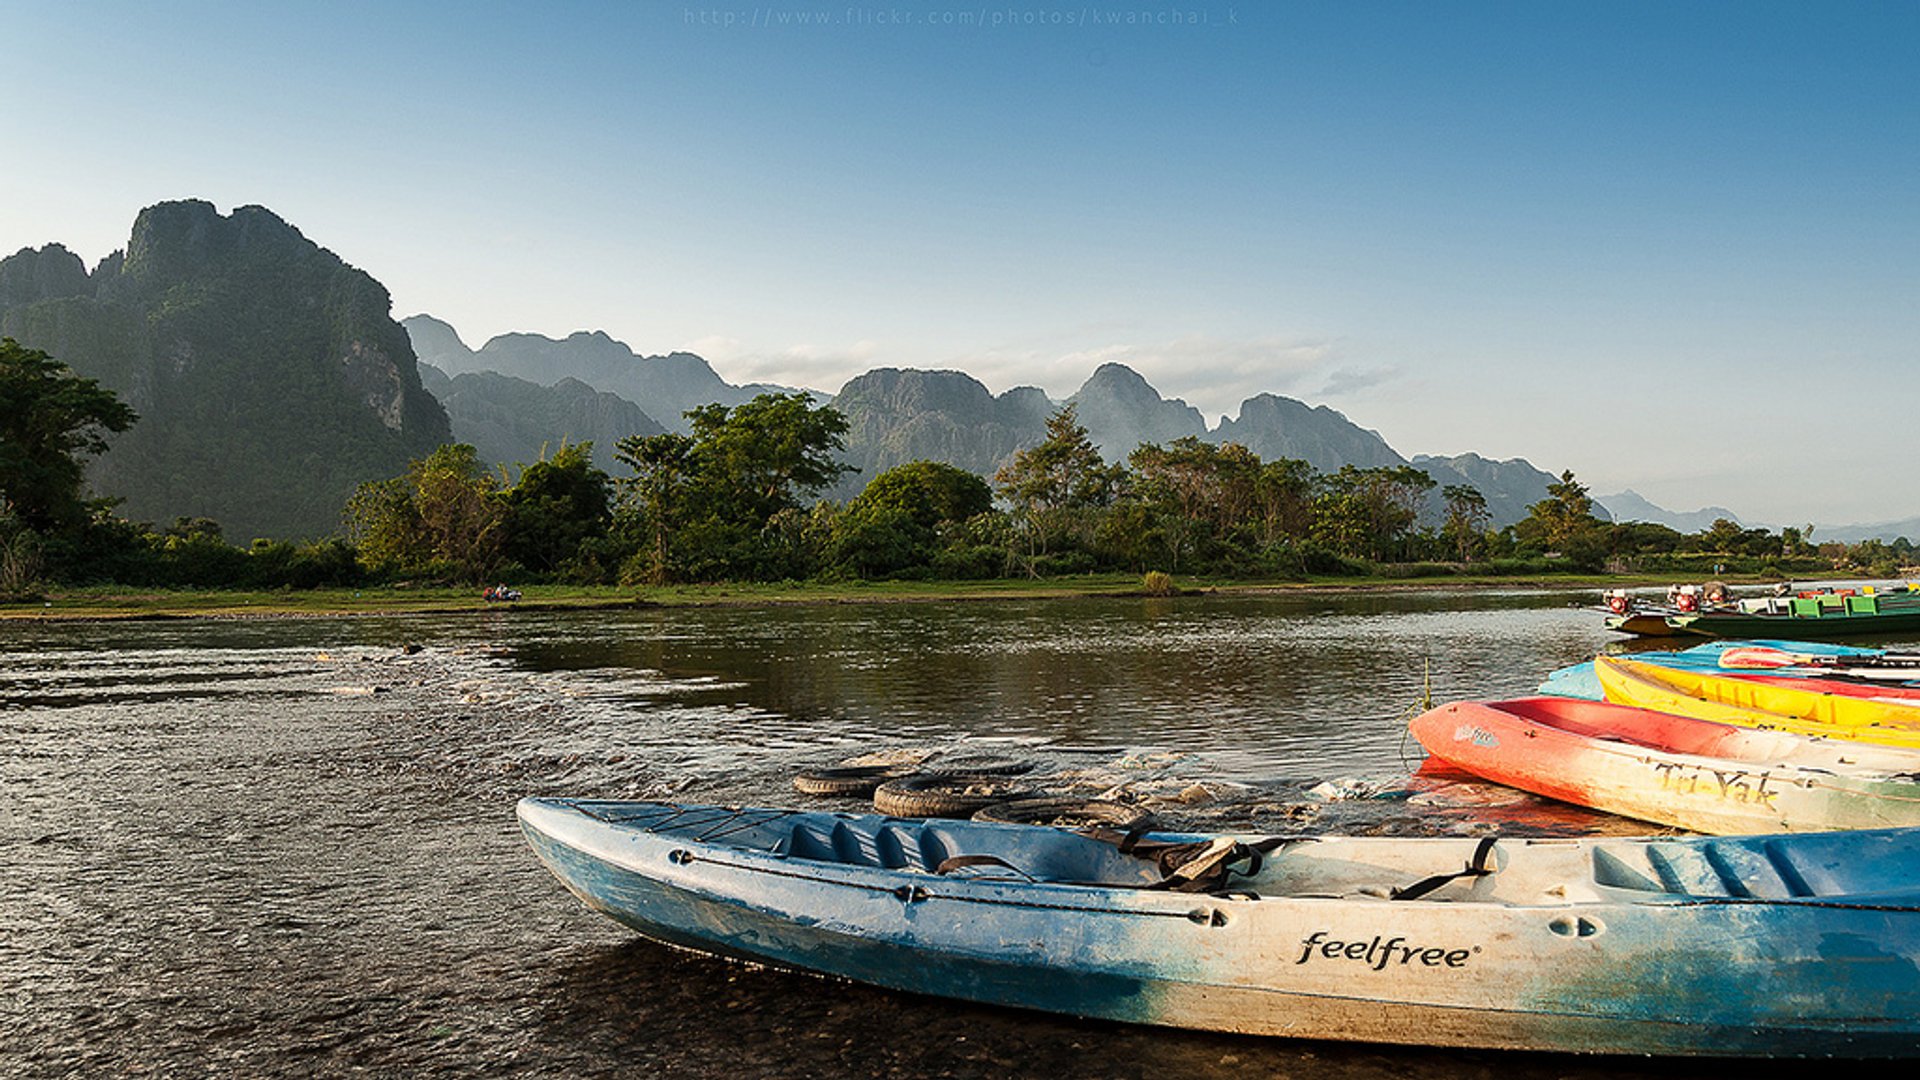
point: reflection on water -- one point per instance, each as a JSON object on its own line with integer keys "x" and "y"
{"x": 1263, "y": 687}
{"x": 286, "y": 847}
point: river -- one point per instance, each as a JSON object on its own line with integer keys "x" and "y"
{"x": 286, "y": 847}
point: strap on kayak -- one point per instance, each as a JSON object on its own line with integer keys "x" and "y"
{"x": 1196, "y": 866}
{"x": 1479, "y": 866}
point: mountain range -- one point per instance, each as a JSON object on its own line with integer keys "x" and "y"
{"x": 897, "y": 415}
{"x": 1630, "y": 506}
{"x": 271, "y": 380}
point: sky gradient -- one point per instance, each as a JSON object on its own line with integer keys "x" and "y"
{"x": 1673, "y": 247}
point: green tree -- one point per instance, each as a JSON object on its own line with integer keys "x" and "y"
{"x": 1065, "y": 471}
{"x": 1370, "y": 513}
{"x": 662, "y": 474}
{"x": 725, "y": 500}
{"x": 1563, "y": 522}
{"x": 1466, "y": 519}
{"x": 443, "y": 517}
{"x": 1199, "y": 496}
{"x": 1283, "y": 497}
{"x": 51, "y": 420}
{"x": 1054, "y": 486}
{"x": 757, "y": 459}
{"x": 931, "y": 492}
{"x": 895, "y": 525}
{"x": 558, "y": 505}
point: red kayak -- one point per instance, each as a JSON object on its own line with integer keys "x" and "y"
{"x": 1695, "y": 774}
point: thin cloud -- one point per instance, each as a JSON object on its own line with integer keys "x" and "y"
{"x": 1346, "y": 381}
{"x": 802, "y": 365}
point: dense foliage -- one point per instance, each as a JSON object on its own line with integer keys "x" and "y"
{"x": 51, "y": 421}
{"x": 730, "y": 501}
{"x": 271, "y": 376}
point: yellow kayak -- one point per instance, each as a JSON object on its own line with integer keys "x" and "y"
{"x": 1733, "y": 700}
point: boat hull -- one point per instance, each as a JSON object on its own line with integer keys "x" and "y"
{"x": 1643, "y": 624}
{"x": 1693, "y": 774}
{"x": 1733, "y": 624}
{"x": 1686, "y": 977}
{"x": 1749, "y": 703}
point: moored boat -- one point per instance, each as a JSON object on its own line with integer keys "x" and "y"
{"x": 1643, "y": 624}
{"x": 1810, "y": 615}
{"x": 1695, "y": 774}
{"x": 1787, "y": 945}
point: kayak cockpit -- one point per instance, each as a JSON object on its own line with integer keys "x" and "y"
{"x": 1820, "y": 867}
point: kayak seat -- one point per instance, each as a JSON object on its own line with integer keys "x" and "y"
{"x": 810, "y": 841}
{"x": 1711, "y": 869}
{"x": 887, "y": 847}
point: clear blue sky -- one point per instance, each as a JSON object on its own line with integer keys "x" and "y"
{"x": 1669, "y": 246}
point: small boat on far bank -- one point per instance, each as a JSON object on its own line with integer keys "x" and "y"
{"x": 1796, "y": 945}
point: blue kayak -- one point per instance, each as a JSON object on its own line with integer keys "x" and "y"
{"x": 1791, "y": 945}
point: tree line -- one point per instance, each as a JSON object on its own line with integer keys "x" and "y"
{"x": 735, "y": 499}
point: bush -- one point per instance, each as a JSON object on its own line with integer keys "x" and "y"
{"x": 1420, "y": 570}
{"x": 1158, "y": 583}
{"x": 965, "y": 562}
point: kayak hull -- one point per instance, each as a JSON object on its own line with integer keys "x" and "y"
{"x": 1748, "y": 703}
{"x": 1589, "y": 953}
{"x": 1673, "y": 770}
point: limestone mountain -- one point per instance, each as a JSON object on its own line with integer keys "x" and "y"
{"x": 1510, "y": 486}
{"x": 511, "y": 420}
{"x": 1885, "y": 531}
{"x": 1120, "y": 410}
{"x": 897, "y": 415}
{"x": 1630, "y": 505}
{"x": 664, "y": 387}
{"x": 269, "y": 375}
{"x": 1280, "y": 427}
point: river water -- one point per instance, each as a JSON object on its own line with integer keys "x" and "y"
{"x": 287, "y": 847}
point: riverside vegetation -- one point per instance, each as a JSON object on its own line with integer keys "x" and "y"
{"x": 730, "y": 503}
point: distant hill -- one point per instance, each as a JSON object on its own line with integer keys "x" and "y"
{"x": 269, "y": 375}
{"x": 1886, "y": 531}
{"x": 1510, "y": 487}
{"x": 664, "y": 387}
{"x": 1629, "y": 505}
{"x": 513, "y": 421}
{"x": 1120, "y": 411}
{"x": 897, "y": 415}
{"x": 1280, "y": 427}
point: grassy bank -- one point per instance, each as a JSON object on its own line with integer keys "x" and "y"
{"x": 120, "y": 602}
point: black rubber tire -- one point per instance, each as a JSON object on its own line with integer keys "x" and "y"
{"x": 979, "y": 765}
{"x": 1066, "y": 813}
{"x": 945, "y": 794}
{"x": 845, "y": 779}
